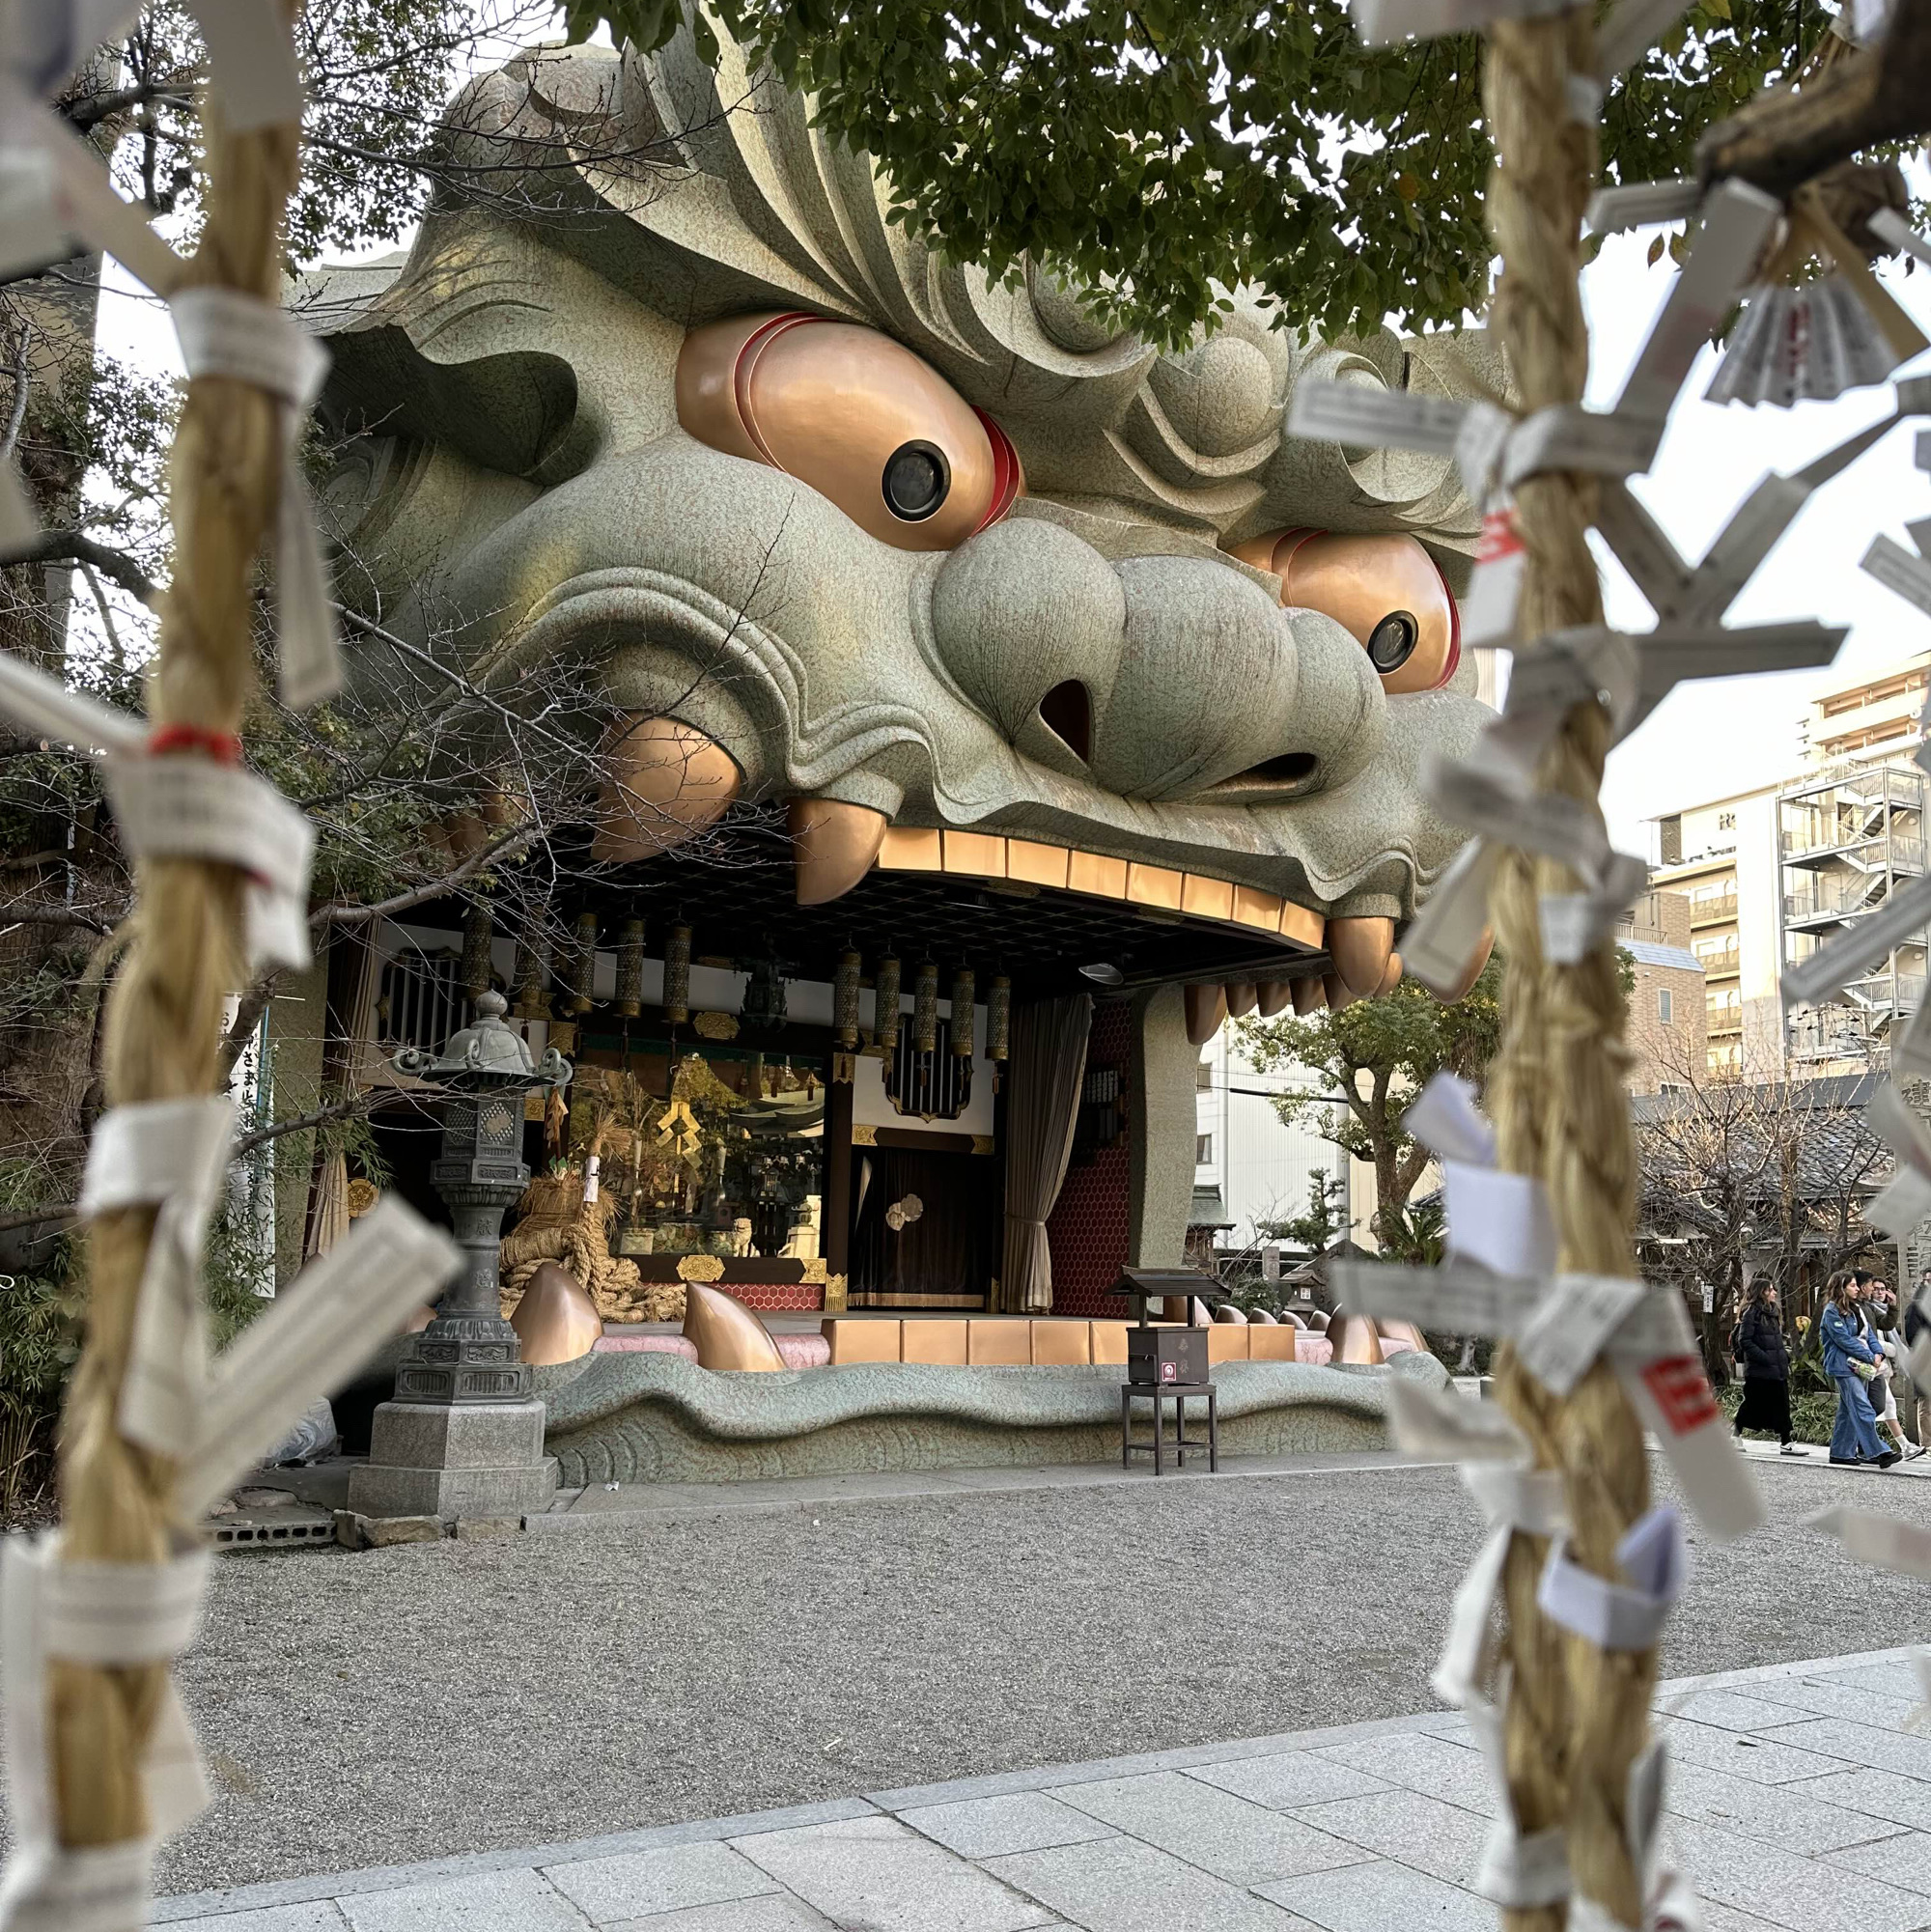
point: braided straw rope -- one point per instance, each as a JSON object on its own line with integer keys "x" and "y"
{"x": 164, "y": 1014}
{"x": 1578, "y": 1716}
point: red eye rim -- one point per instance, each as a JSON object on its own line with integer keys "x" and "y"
{"x": 754, "y": 345}
{"x": 1007, "y": 475}
{"x": 1454, "y": 628}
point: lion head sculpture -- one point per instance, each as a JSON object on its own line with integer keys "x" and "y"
{"x": 845, "y": 525}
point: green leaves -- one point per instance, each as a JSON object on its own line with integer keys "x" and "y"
{"x": 1149, "y": 150}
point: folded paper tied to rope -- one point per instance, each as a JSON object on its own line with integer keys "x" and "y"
{"x": 305, "y": 1345}
{"x": 1499, "y": 1281}
{"x": 1885, "y": 1543}
{"x": 176, "y": 805}
{"x": 57, "y": 197}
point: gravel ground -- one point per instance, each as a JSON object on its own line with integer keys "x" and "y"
{"x": 415, "y": 1703}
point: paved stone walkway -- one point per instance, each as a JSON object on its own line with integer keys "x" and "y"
{"x": 1799, "y": 1803}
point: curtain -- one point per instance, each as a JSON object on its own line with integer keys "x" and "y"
{"x": 1048, "y": 1063}
{"x": 944, "y": 1258}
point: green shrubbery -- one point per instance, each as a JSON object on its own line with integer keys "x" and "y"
{"x": 40, "y": 1323}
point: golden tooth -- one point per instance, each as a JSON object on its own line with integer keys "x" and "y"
{"x": 833, "y": 845}
{"x": 1271, "y": 996}
{"x": 1360, "y": 949}
{"x": 1206, "y": 1009}
{"x": 664, "y": 782}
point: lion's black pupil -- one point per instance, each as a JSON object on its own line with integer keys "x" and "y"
{"x": 1392, "y": 641}
{"x": 916, "y": 480}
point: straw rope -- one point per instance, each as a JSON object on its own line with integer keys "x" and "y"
{"x": 1577, "y": 1717}
{"x": 164, "y": 1013}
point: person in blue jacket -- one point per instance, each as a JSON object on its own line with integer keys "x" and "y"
{"x": 1854, "y": 1437}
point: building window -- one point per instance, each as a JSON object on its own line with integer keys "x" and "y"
{"x": 1727, "y": 822}
{"x": 1666, "y": 1006}
{"x": 1203, "y": 1077}
{"x": 1203, "y": 1150}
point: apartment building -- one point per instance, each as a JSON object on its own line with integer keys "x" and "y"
{"x": 1773, "y": 874}
{"x": 1721, "y": 857}
{"x": 1671, "y": 1009}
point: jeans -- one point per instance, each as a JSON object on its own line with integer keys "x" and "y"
{"x": 1854, "y": 1432}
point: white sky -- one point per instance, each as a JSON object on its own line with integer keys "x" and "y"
{"x": 1710, "y": 738}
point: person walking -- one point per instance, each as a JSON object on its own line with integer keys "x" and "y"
{"x": 1766, "y": 1368}
{"x": 1914, "y": 1402}
{"x": 1877, "y": 1308}
{"x": 1849, "y": 1361}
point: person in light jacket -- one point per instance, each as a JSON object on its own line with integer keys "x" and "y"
{"x": 1853, "y": 1436}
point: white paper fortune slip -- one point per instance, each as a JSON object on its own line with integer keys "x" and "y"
{"x": 224, "y": 332}
{"x": 1494, "y": 585}
{"x": 1739, "y": 222}
{"x": 1632, "y": 29}
{"x": 180, "y": 807}
{"x": 183, "y": 807}
{"x": 1519, "y": 1871}
{"x": 42, "y": 42}
{"x": 312, "y": 1338}
{"x": 1885, "y": 1541}
{"x": 171, "y": 1155}
{"x": 1906, "y": 1201}
{"x": 253, "y": 60}
{"x": 1621, "y": 1616}
{"x": 1380, "y": 23}
{"x": 1356, "y": 413}
{"x": 1831, "y": 967}
{"x": 1652, "y": 1350}
{"x": 1642, "y": 203}
{"x": 1896, "y": 569}
{"x": 1499, "y": 1221}
{"x": 101, "y": 1613}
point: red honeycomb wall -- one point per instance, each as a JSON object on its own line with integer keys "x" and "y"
{"x": 1087, "y": 1228}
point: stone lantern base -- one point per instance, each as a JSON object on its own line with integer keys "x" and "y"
{"x": 455, "y": 1459}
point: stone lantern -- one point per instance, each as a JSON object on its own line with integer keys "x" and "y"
{"x": 463, "y": 1435}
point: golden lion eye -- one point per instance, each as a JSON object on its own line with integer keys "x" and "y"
{"x": 860, "y": 419}
{"x": 1387, "y": 591}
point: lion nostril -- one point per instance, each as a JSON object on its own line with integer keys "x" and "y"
{"x": 1067, "y": 711}
{"x": 1289, "y": 768}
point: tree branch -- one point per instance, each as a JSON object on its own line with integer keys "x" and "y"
{"x": 340, "y": 1109}
{"x": 1785, "y": 138}
{"x": 75, "y": 546}
{"x": 339, "y": 913}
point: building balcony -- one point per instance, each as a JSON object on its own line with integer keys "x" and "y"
{"x": 1725, "y": 1022}
{"x": 1719, "y": 966}
{"x": 1713, "y": 911}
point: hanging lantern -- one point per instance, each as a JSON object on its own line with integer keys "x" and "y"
{"x": 885, "y": 1005}
{"x": 964, "y": 1019}
{"x": 998, "y": 1016}
{"x": 677, "y": 975}
{"x": 478, "y": 929}
{"x": 630, "y": 968}
{"x": 532, "y": 968}
{"x": 925, "y": 1009}
{"x": 581, "y": 966}
{"x": 845, "y": 1001}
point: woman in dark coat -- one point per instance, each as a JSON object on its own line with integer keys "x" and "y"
{"x": 1766, "y": 1364}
